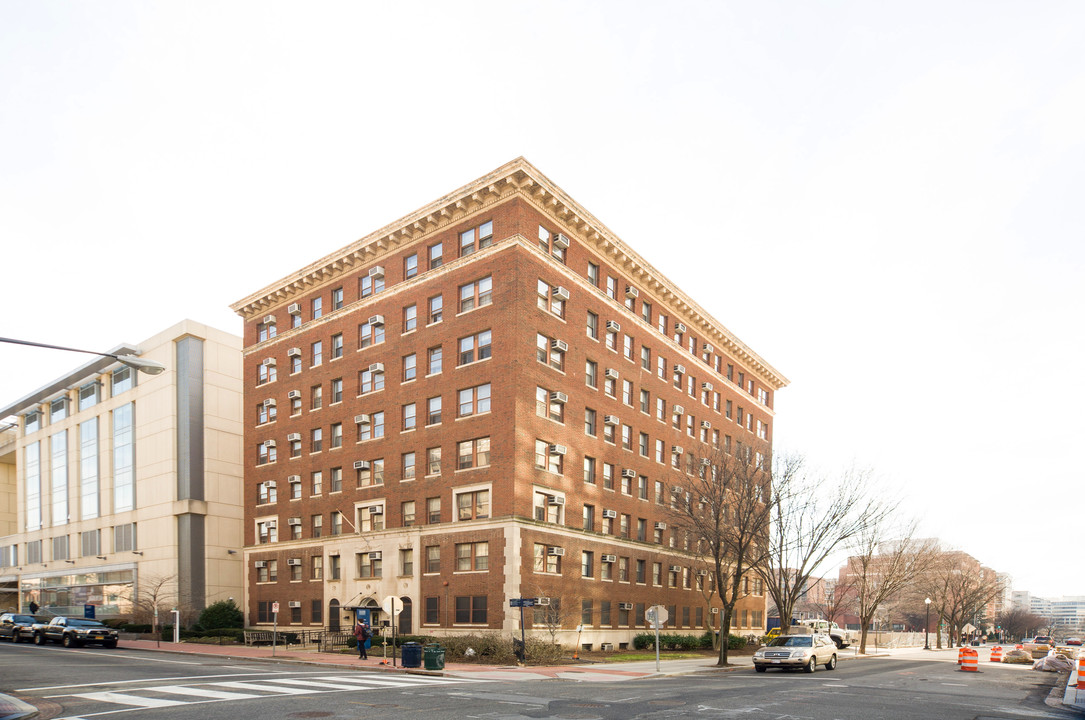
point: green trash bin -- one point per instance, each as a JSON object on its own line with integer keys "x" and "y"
{"x": 434, "y": 656}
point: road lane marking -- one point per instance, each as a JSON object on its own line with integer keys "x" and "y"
{"x": 126, "y": 699}
{"x": 200, "y": 692}
{"x": 123, "y": 682}
{"x": 266, "y": 687}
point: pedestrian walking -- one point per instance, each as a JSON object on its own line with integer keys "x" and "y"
{"x": 362, "y": 635}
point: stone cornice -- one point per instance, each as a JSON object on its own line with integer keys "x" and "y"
{"x": 518, "y": 177}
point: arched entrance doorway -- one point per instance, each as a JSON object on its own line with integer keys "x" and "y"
{"x": 333, "y": 615}
{"x": 406, "y": 626}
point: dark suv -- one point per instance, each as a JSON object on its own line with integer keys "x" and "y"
{"x": 17, "y": 627}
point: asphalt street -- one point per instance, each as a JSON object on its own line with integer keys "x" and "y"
{"x": 98, "y": 683}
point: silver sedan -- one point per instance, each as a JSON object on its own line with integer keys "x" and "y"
{"x": 795, "y": 651}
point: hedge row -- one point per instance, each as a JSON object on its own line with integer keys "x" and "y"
{"x": 677, "y": 641}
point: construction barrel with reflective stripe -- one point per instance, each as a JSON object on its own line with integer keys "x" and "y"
{"x": 1081, "y": 672}
{"x": 971, "y": 661}
{"x": 996, "y": 653}
{"x": 960, "y": 655}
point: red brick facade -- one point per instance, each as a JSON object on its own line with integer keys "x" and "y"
{"x": 487, "y": 541}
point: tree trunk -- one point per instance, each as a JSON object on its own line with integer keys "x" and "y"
{"x": 725, "y": 635}
{"x": 864, "y": 628}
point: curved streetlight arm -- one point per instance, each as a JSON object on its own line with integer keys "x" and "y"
{"x": 149, "y": 367}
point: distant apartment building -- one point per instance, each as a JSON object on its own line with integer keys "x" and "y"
{"x": 486, "y": 400}
{"x": 1067, "y": 613}
{"x": 112, "y": 481}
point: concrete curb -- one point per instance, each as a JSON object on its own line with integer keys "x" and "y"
{"x": 12, "y": 708}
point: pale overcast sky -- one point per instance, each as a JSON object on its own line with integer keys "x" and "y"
{"x": 883, "y": 199}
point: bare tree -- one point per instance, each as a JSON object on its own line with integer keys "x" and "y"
{"x": 155, "y": 595}
{"x": 1018, "y": 622}
{"x": 883, "y": 567}
{"x": 722, "y": 504}
{"x": 812, "y": 517}
{"x": 838, "y": 599}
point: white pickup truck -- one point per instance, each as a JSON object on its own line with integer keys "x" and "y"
{"x": 841, "y": 636}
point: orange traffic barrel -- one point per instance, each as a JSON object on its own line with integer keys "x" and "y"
{"x": 971, "y": 661}
{"x": 960, "y": 654}
{"x": 996, "y": 653}
{"x": 1081, "y": 673}
{"x": 1019, "y": 647}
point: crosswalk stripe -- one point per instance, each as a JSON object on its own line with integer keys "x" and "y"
{"x": 202, "y": 692}
{"x": 126, "y": 699}
{"x": 311, "y": 683}
{"x": 363, "y": 679}
{"x": 267, "y": 687}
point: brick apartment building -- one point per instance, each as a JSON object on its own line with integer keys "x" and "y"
{"x": 483, "y": 401}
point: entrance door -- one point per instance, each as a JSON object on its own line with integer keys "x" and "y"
{"x": 406, "y": 627}
{"x": 333, "y": 615}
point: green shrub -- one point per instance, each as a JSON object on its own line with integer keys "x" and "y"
{"x": 222, "y": 614}
{"x": 736, "y": 642}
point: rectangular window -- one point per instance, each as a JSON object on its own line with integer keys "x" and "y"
{"x": 410, "y": 368}
{"x": 317, "y": 523}
{"x": 409, "y": 411}
{"x": 370, "y": 381}
{"x": 408, "y": 465}
{"x": 589, "y": 422}
{"x": 472, "y": 556}
{"x": 432, "y": 612}
{"x": 473, "y": 453}
{"x": 433, "y": 558}
{"x": 549, "y": 352}
{"x": 593, "y": 274}
{"x": 591, "y": 374}
{"x": 337, "y": 390}
{"x": 337, "y": 435}
{"x": 407, "y": 513}
{"x": 474, "y": 400}
{"x": 124, "y": 379}
{"x": 371, "y": 333}
{"x": 124, "y": 537}
{"x": 88, "y": 395}
{"x": 337, "y": 345}
{"x": 475, "y": 347}
{"x": 476, "y": 238}
{"x": 476, "y": 294}
{"x": 316, "y": 397}
{"x": 318, "y": 353}
{"x": 436, "y": 309}
{"x": 88, "y": 469}
{"x": 317, "y": 305}
{"x": 434, "y": 360}
{"x": 593, "y": 325}
{"x": 316, "y": 440}
{"x": 410, "y": 318}
{"x": 410, "y": 266}
{"x": 436, "y": 255}
{"x": 433, "y": 510}
{"x": 471, "y": 610}
{"x": 433, "y": 461}
{"x": 589, "y": 470}
{"x": 371, "y": 284}
{"x": 124, "y": 460}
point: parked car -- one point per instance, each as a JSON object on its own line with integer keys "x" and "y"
{"x": 75, "y": 632}
{"x": 797, "y": 651}
{"x": 1073, "y": 641}
{"x": 842, "y": 637}
{"x": 17, "y": 627}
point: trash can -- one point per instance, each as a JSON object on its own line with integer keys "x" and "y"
{"x": 435, "y": 657}
{"x": 411, "y": 654}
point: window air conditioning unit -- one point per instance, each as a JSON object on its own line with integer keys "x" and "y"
{"x": 555, "y": 500}
{"x": 559, "y": 345}
{"x": 375, "y": 555}
{"x": 680, "y": 327}
{"x": 610, "y": 513}
{"x": 376, "y": 368}
{"x": 707, "y": 347}
{"x": 268, "y": 362}
{"x": 294, "y": 394}
{"x": 269, "y": 443}
{"x": 376, "y": 510}
{"x": 376, "y": 272}
{"x": 294, "y": 309}
{"x": 706, "y": 462}
{"x": 555, "y": 551}
{"x": 544, "y": 601}
{"x": 702, "y": 573}
{"x": 677, "y": 449}
{"x": 706, "y": 386}
{"x": 260, "y": 564}
{"x": 273, "y": 524}
{"x": 271, "y": 484}
{"x": 292, "y": 437}
{"x": 560, "y": 241}
{"x": 361, "y": 464}
{"x": 675, "y": 568}
{"x": 558, "y": 449}
{"x": 679, "y": 410}
{"x": 293, "y": 352}
{"x": 677, "y": 489}
{"x": 631, "y": 292}
{"x": 613, "y": 326}
{"x": 560, "y": 293}
{"x": 706, "y": 424}
{"x": 362, "y": 419}
{"x": 558, "y": 397}
{"x": 610, "y": 420}
{"x": 269, "y": 319}
{"x": 293, "y": 479}
{"x": 376, "y": 319}
{"x": 625, "y": 606}
{"x": 295, "y": 603}
{"x": 610, "y": 374}
{"x": 628, "y": 473}
{"x": 661, "y": 526}
{"x": 294, "y": 521}
{"x": 269, "y": 403}
{"x": 715, "y": 611}
{"x": 610, "y": 558}
{"x": 293, "y": 561}
{"x": 680, "y": 368}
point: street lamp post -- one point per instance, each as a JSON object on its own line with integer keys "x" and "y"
{"x": 133, "y": 361}
{"x": 927, "y": 627}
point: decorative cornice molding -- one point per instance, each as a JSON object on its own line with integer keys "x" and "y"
{"x": 518, "y": 177}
